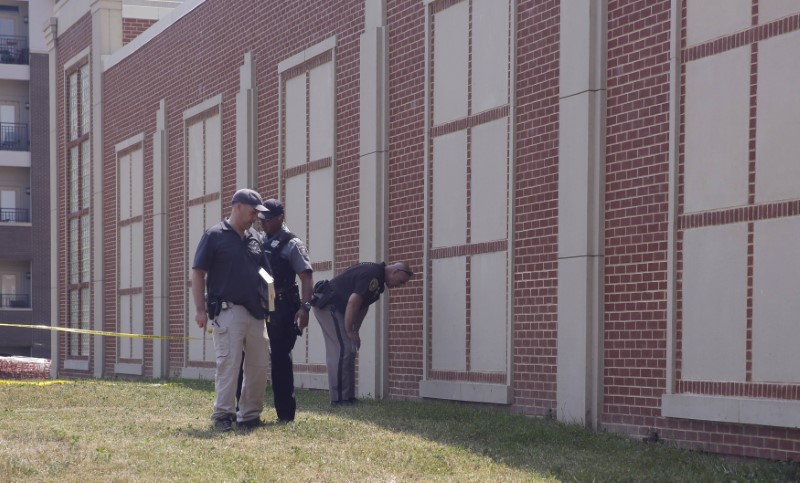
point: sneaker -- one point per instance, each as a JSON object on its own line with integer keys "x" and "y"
{"x": 223, "y": 425}
{"x": 250, "y": 423}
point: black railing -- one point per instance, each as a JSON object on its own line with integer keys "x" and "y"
{"x": 15, "y": 301}
{"x": 14, "y": 136}
{"x": 14, "y": 215}
{"x": 13, "y": 49}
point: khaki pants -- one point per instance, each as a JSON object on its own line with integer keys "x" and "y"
{"x": 340, "y": 354}
{"x": 235, "y": 330}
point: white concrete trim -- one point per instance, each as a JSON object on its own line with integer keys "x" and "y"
{"x": 204, "y": 373}
{"x": 204, "y": 106}
{"x": 426, "y": 212}
{"x": 50, "y": 36}
{"x": 69, "y": 12}
{"x": 737, "y": 410}
{"x": 16, "y": 159}
{"x": 76, "y": 365}
{"x": 309, "y": 53}
{"x": 466, "y": 391}
{"x": 83, "y": 54}
{"x": 15, "y": 72}
{"x": 131, "y": 141}
{"x": 157, "y": 28}
{"x": 160, "y": 306}
{"x": 126, "y": 368}
{"x": 308, "y": 380}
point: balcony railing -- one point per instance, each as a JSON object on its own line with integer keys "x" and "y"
{"x": 14, "y": 136}
{"x": 14, "y": 215}
{"x": 13, "y": 49}
{"x": 15, "y": 301}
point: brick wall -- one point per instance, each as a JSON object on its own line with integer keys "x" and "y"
{"x": 132, "y": 27}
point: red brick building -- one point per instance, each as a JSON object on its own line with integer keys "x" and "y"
{"x": 600, "y": 200}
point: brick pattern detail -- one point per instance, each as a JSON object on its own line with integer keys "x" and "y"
{"x": 133, "y": 27}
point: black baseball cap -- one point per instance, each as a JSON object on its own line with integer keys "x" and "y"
{"x": 249, "y": 197}
{"x": 274, "y": 208}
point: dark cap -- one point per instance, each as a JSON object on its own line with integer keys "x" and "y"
{"x": 274, "y": 208}
{"x": 249, "y": 197}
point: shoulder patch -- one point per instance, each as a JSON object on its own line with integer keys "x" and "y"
{"x": 373, "y": 285}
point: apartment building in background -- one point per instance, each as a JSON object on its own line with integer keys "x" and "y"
{"x": 24, "y": 177}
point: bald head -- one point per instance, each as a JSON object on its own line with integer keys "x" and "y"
{"x": 398, "y": 274}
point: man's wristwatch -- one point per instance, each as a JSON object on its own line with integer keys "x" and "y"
{"x": 306, "y": 306}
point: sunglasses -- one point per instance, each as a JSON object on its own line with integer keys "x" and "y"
{"x": 410, "y": 274}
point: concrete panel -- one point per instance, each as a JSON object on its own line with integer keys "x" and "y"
{"x": 124, "y": 325}
{"x": 372, "y": 86}
{"x": 489, "y": 193}
{"x": 709, "y": 19}
{"x": 737, "y": 410}
{"x": 489, "y": 314}
{"x": 196, "y": 226}
{"x": 449, "y": 314}
{"x": 213, "y": 158}
{"x": 450, "y": 63}
{"x": 466, "y": 391}
{"x": 717, "y": 131}
{"x": 580, "y": 61}
{"x": 450, "y": 189}
{"x": 715, "y": 303}
{"x": 295, "y": 203}
{"x": 490, "y": 54}
{"x": 137, "y": 325}
{"x": 124, "y": 177}
{"x": 137, "y": 254}
{"x": 321, "y": 215}
{"x": 137, "y": 183}
{"x": 213, "y": 214}
{"x": 778, "y": 119}
{"x": 769, "y": 10}
{"x": 776, "y": 276}
{"x": 321, "y": 111}
{"x": 194, "y": 141}
{"x": 295, "y": 135}
{"x": 125, "y": 257}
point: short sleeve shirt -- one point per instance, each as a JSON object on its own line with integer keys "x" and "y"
{"x": 365, "y": 279}
{"x": 232, "y": 265}
{"x": 294, "y": 251}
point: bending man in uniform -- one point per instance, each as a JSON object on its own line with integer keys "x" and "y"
{"x": 288, "y": 257}
{"x": 340, "y": 307}
{"x": 227, "y": 263}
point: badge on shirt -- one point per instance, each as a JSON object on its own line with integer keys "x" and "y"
{"x": 274, "y": 244}
{"x": 373, "y": 285}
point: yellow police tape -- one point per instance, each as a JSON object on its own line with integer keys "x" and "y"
{"x": 99, "y": 332}
{"x": 33, "y": 383}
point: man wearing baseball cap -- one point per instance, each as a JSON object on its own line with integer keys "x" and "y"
{"x": 226, "y": 266}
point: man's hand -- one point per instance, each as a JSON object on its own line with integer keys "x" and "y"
{"x": 202, "y": 319}
{"x": 301, "y": 317}
{"x": 353, "y": 335}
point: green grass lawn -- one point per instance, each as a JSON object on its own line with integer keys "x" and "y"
{"x": 103, "y": 430}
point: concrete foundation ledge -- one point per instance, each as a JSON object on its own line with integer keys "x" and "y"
{"x": 466, "y": 391}
{"x": 739, "y": 410}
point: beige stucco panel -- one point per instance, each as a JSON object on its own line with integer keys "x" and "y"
{"x": 709, "y": 19}
{"x": 717, "y": 131}
{"x": 295, "y": 135}
{"x": 295, "y": 206}
{"x": 451, "y": 61}
{"x": 774, "y": 9}
{"x": 489, "y": 314}
{"x": 490, "y": 45}
{"x": 776, "y": 305}
{"x": 321, "y": 90}
{"x": 450, "y": 189}
{"x": 489, "y": 180}
{"x": 213, "y": 157}
{"x": 125, "y": 257}
{"x": 778, "y": 120}
{"x": 715, "y": 303}
{"x": 194, "y": 170}
{"x": 448, "y": 321}
{"x": 321, "y": 216}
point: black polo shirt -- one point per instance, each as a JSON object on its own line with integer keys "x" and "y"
{"x": 366, "y": 279}
{"x": 232, "y": 264}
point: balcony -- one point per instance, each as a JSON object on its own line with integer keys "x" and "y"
{"x": 14, "y": 137}
{"x": 14, "y": 215}
{"x": 15, "y": 301}
{"x": 13, "y": 49}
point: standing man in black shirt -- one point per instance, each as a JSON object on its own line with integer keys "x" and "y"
{"x": 226, "y": 266}
{"x": 340, "y": 306}
{"x": 288, "y": 257}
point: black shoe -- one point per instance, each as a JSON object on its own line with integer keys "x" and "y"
{"x": 223, "y": 425}
{"x": 353, "y": 400}
{"x": 250, "y": 423}
{"x": 343, "y": 402}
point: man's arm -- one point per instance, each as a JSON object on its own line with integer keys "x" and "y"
{"x": 198, "y": 296}
{"x": 306, "y": 292}
{"x": 353, "y": 316}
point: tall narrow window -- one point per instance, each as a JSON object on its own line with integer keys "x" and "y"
{"x": 204, "y": 206}
{"x": 78, "y": 174}
{"x": 130, "y": 311}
